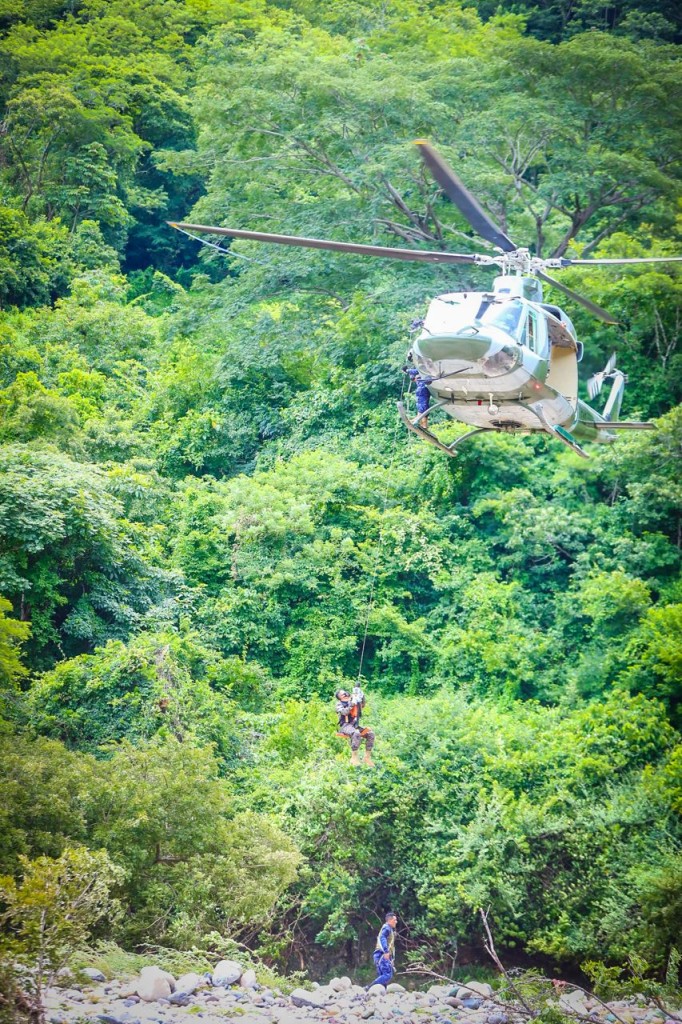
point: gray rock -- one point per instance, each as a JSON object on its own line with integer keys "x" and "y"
{"x": 376, "y": 990}
{"x": 497, "y": 1018}
{"x": 480, "y": 988}
{"x": 188, "y": 983}
{"x": 58, "y": 1018}
{"x": 131, "y": 1001}
{"x": 395, "y": 987}
{"x": 74, "y": 994}
{"x": 180, "y": 999}
{"x": 154, "y": 983}
{"x": 248, "y": 979}
{"x": 454, "y": 1002}
{"x": 227, "y": 972}
{"x": 300, "y": 997}
{"x": 93, "y": 974}
{"x": 106, "y": 1018}
{"x": 574, "y": 1002}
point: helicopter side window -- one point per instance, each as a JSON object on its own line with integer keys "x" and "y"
{"x": 531, "y": 332}
{"x": 535, "y": 335}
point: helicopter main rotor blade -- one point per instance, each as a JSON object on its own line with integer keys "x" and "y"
{"x": 459, "y": 194}
{"x": 618, "y": 262}
{"x": 593, "y": 308}
{"x": 418, "y": 255}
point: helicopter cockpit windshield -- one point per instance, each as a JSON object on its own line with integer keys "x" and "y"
{"x": 457, "y": 314}
{"x": 508, "y": 316}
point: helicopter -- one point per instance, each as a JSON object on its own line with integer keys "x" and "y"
{"x": 502, "y": 360}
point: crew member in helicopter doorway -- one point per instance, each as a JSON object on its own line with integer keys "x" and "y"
{"x": 421, "y": 393}
{"x": 384, "y": 953}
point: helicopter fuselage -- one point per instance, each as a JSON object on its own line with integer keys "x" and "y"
{"x": 501, "y": 361}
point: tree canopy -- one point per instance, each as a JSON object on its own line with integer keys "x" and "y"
{"x": 211, "y": 519}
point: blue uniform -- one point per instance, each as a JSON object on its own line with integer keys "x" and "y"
{"x": 421, "y": 390}
{"x": 384, "y": 964}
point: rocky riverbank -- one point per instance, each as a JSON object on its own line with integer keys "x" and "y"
{"x": 230, "y": 992}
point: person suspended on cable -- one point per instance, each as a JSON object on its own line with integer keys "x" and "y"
{"x": 421, "y": 393}
{"x": 349, "y": 710}
{"x": 384, "y": 952}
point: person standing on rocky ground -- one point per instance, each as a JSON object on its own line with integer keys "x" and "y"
{"x": 384, "y": 953}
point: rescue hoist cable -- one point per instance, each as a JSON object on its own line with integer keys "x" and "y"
{"x": 380, "y": 546}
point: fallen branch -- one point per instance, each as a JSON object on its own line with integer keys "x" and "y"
{"x": 492, "y": 952}
{"x": 423, "y": 969}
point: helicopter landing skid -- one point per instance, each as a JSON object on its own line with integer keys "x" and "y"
{"x": 559, "y": 432}
{"x": 426, "y": 435}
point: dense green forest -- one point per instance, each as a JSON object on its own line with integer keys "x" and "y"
{"x": 207, "y": 500}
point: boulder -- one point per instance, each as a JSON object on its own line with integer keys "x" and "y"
{"x": 317, "y": 1000}
{"x": 479, "y": 988}
{"x": 574, "y": 1002}
{"x": 395, "y": 987}
{"x": 93, "y": 974}
{"x": 248, "y": 979}
{"x": 326, "y": 992}
{"x": 154, "y": 984}
{"x": 497, "y": 1018}
{"x": 376, "y": 990}
{"x": 188, "y": 983}
{"x": 226, "y": 972}
{"x": 454, "y": 1002}
{"x": 341, "y": 984}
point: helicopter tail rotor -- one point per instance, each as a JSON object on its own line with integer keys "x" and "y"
{"x": 596, "y": 381}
